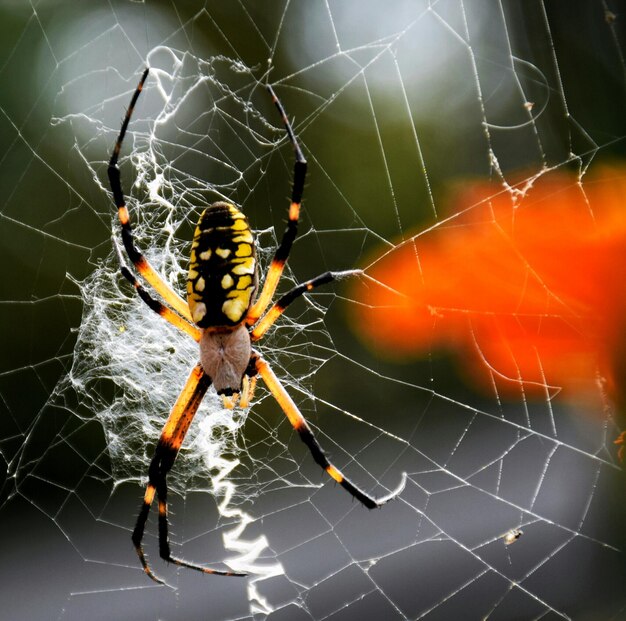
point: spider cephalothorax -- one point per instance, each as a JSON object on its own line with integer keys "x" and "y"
{"x": 224, "y": 356}
{"x": 224, "y": 315}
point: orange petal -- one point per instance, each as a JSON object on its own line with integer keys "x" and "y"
{"x": 527, "y": 287}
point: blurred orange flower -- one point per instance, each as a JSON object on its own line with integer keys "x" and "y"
{"x": 527, "y": 286}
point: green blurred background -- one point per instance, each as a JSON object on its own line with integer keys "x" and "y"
{"x": 390, "y": 103}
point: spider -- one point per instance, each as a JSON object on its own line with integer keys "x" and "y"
{"x": 224, "y": 315}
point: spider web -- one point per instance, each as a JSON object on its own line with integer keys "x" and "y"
{"x": 514, "y": 504}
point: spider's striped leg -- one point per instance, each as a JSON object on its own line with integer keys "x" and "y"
{"x": 160, "y": 309}
{"x": 306, "y": 435}
{"x": 282, "y": 252}
{"x": 279, "y": 308}
{"x": 165, "y": 453}
{"x": 137, "y": 258}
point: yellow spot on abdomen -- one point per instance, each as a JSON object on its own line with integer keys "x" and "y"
{"x": 234, "y": 309}
{"x": 246, "y": 236}
{"x": 244, "y": 282}
{"x": 199, "y": 311}
{"x": 243, "y": 250}
{"x": 243, "y": 266}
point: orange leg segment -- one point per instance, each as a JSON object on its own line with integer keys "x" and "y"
{"x": 282, "y": 252}
{"x": 279, "y": 308}
{"x": 165, "y": 454}
{"x": 160, "y": 309}
{"x": 137, "y": 258}
{"x": 300, "y": 425}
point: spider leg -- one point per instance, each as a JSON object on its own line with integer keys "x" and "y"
{"x": 279, "y": 307}
{"x": 160, "y": 309}
{"x": 137, "y": 258}
{"x": 282, "y": 252}
{"x": 299, "y": 423}
{"x": 247, "y": 392}
{"x": 165, "y": 454}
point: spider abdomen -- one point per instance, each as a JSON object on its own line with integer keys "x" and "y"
{"x": 222, "y": 275}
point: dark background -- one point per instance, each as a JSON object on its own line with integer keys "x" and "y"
{"x": 362, "y": 82}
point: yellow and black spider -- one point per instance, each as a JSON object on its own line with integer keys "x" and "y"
{"x": 222, "y": 315}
